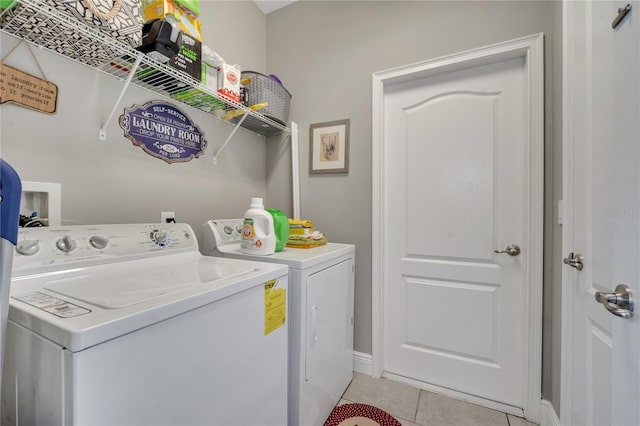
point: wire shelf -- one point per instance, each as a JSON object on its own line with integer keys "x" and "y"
{"x": 43, "y": 25}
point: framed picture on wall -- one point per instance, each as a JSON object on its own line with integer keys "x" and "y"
{"x": 329, "y": 147}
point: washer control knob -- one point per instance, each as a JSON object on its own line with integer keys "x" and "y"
{"x": 227, "y": 230}
{"x": 28, "y": 247}
{"x": 238, "y": 229}
{"x": 98, "y": 241}
{"x": 66, "y": 244}
{"x": 160, "y": 236}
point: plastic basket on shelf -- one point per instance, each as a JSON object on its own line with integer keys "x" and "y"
{"x": 263, "y": 88}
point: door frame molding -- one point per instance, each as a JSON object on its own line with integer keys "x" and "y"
{"x": 530, "y": 48}
{"x": 566, "y": 350}
{"x": 568, "y": 123}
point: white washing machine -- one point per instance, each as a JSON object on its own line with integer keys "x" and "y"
{"x": 131, "y": 325}
{"x": 321, "y": 285}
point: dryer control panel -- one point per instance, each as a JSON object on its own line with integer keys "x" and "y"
{"x": 50, "y": 248}
{"x": 226, "y": 231}
{"x": 219, "y": 232}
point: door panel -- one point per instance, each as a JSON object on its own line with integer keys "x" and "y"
{"x": 599, "y": 389}
{"x": 456, "y": 190}
{"x": 464, "y": 184}
{"x": 475, "y": 304}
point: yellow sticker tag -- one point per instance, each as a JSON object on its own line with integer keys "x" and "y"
{"x": 275, "y": 306}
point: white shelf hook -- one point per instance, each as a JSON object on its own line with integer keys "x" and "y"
{"x": 235, "y": 129}
{"x": 103, "y": 129}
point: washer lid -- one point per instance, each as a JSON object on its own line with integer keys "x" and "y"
{"x": 127, "y": 285}
{"x": 81, "y": 307}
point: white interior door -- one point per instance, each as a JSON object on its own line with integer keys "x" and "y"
{"x": 601, "y": 351}
{"x": 457, "y": 171}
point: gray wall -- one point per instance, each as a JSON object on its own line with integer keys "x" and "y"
{"x": 115, "y": 182}
{"x": 325, "y": 53}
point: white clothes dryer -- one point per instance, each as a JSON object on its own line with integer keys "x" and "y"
{"x": 130, "y": 324}
{"x": 321, "y": 286}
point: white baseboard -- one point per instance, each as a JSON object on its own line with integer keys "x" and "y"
{"x": 548, "y": 416}
{"x": 362, "y": 363}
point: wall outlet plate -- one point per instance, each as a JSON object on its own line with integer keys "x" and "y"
{"x": 167, "y": 217}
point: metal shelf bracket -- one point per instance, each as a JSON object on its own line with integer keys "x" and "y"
{"x": 233, "y": 132}
{"x": 103, "y": 129}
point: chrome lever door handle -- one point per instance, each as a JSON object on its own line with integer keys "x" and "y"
{"x": 511, "y": 250}
{"x": 575, "y": 261}
{"x": 620, "y": 303}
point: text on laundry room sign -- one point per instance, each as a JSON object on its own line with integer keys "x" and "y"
{"x": 163, "y": 131}
{"x": 27, "y": 90}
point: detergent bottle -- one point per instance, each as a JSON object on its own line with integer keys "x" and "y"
{"x": 281, "y": 227}
{"x": 258, "y": 235}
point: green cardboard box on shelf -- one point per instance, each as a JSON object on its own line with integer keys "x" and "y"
{"x": 189, "y": 60}
{"x": 4, "y": 4}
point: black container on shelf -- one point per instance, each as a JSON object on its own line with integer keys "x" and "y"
{"x": 161, "y": 40}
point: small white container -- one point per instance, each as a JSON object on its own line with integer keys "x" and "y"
{"x": 258, "y": 235}
{"x": 229, "y": 82}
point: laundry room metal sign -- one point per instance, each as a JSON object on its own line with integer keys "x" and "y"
{"x": 163, "y": 131}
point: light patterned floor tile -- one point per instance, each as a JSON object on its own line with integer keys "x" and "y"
{"x": 438, "y": 410}
{"x": 518, "y": 421}
{"x": 397, "y": 399}
{"x": 404, "y": 422}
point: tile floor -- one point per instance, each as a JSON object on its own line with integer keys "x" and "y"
{"x": 413, "y": 407}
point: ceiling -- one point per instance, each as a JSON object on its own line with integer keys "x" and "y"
{"x": 268, "y": 6}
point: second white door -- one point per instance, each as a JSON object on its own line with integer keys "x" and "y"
{"x": 601, "y": 337}
{"x": 456, "y": 186}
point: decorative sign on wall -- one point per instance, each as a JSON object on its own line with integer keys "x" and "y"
{"x": 27, "y": 90}
{"x": 163, "y": 131}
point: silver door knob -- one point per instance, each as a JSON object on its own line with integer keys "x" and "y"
{"x": 620, "y": 303}
{"x": 574, "y": 260}
{"x": 511, "y": 250}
